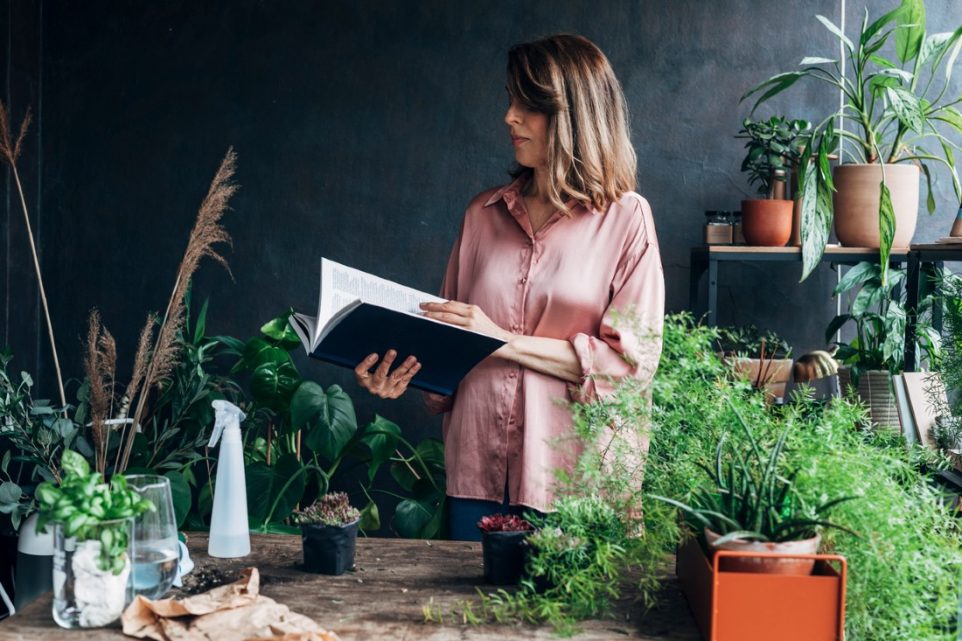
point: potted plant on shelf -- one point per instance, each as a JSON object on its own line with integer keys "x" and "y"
{"x": 894, "y": 108}
{"x": 503, "y": 547}
{"x": 329, "y": 534}
{"x": 774, "y": 148}
{"x": 764, "y": 359}
{"x": 92, "y": 523}
{"x": 877, "y": 350}
{"x": 750, "y": 504}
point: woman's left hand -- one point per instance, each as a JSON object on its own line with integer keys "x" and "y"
{"x": 464, "y": 315}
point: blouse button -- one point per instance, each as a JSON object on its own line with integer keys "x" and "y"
{"x": 524, "y": 279}
{"x": 512, "y": 374}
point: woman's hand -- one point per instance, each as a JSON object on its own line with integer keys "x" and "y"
{"x": 466, "y": 316}
{"x": 379, "y": 382}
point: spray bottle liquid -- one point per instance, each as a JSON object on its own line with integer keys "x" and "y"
{"x": 229, "y": 536}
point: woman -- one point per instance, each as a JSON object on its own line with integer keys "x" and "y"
{"x": 547, "y": 263}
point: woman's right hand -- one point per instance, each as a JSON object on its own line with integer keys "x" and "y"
{"x": 379, "y": 382}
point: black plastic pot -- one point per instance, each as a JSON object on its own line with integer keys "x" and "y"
{"x": 504, "y": 556}
{"x": 329, "y": 549}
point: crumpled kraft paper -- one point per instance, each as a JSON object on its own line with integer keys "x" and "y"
{"x": 229, "y": 612}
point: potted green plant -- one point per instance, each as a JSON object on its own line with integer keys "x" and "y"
{"x": 92, "y": 522}
{"x": 894, "y": 110}
{"x": 773, "y": 149}
{"x": 877, "y": 349}
{"x": 503, "y": 547}
{"x": 764, "y": 359}
{"x": 750, "y": 504}
{"x": 329, "y": 534}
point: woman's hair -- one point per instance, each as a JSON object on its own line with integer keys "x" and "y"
{"x": 568, "y": 78}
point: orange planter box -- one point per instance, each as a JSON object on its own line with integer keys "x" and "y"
{"x": 740, "y": 606}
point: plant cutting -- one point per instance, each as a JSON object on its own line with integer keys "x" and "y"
{"x": 751, "y": 504}
{"x": 503, "y": 547}
{"x": 92, "y": 522}
{"x": 773, "y": 149}
{"x": 877, "y": 349}
{"x": 329, "y": 534}
{"x": 897, "y": 107}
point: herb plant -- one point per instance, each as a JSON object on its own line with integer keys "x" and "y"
{"x": 331, "y": 509}
{"x": 774, "y": 148}
{"x": 896, "y": 107}
{"x": 83, "y": 503}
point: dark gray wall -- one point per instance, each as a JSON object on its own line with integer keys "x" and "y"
{"x": 362, "y": 130}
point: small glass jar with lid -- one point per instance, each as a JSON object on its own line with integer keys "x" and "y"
{"x": 718, "y": 228}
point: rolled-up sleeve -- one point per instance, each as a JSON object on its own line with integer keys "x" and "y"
{"x": 628, "y": 342}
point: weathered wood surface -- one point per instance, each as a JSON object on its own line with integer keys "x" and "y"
{"x": 384, "y": 597}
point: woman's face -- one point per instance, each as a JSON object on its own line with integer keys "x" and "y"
{"x": 529, "y": 135}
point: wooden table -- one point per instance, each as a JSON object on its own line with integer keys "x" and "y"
{"x": 385, "y": 596}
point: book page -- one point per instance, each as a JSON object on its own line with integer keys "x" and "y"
{"x": 342, "y": 285}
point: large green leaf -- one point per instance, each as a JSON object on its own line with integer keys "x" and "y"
{"x": 273, "y": 384}
{"x": 816, "y": 224}
{"x": 180, "y": 493}
{"x": 381, "y": 437}
{"x": 869, "y": 32}
{"x": 257, "y": 352}
{"x": 74, "y": 464}
{"x": 328, "y": 416}
{"x": 775, "y": 85}
{"x": 886, "y": 223}
{"x": 907, "y": 107}
{"x": 281, "y": 483}
{"x": 281, "y": 331}
{"x": 838, "y": 32}
{"x": 857, "y": 276}
{"x": 910, "y": 19}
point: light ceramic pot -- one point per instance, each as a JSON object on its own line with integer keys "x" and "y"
{"x": 856, "y": 203}
{"x": 759, "y": 565}
{"x": 875, "y": 390}
{"x": 767, "y": 223}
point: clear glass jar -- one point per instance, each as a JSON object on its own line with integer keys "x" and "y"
{"x": 84, "y": 595}
{"x": 155, "y": 549}
{"x": 718, "y": 228}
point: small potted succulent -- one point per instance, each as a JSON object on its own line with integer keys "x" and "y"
{"x": 751, "y": 505}
{"x": 329, "y": 534}
{"x": 774, "y": 148}
{"x": 502, "y": 544}
{"x": 92, "y": 523}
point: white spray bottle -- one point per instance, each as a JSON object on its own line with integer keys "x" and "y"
{"x": 229, "y": 535}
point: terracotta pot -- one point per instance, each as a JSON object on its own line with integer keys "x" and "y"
{"x": 795, "y": 567}
{"x": 856, "y": 203}
{"x": 767, "y": 223}
{"x": 875, "y": 390}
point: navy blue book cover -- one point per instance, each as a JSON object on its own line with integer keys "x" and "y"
{"x": 446, "y": 353}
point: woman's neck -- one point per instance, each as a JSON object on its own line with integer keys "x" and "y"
{"x": 536, "y": 189}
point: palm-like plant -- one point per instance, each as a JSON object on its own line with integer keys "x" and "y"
{"x": 751, "y": 496}
{"x": 896, "y": 109}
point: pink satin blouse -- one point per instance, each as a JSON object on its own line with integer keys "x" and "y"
{"x": 569, "y": 280}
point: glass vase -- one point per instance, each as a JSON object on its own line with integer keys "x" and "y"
{"x": 91, "y": 574}
{"x": 155, "y": 549}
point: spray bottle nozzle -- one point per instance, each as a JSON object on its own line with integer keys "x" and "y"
{"x": 226, "y": 414}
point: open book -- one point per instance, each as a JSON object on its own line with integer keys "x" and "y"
{"x": 360, "y": 314}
